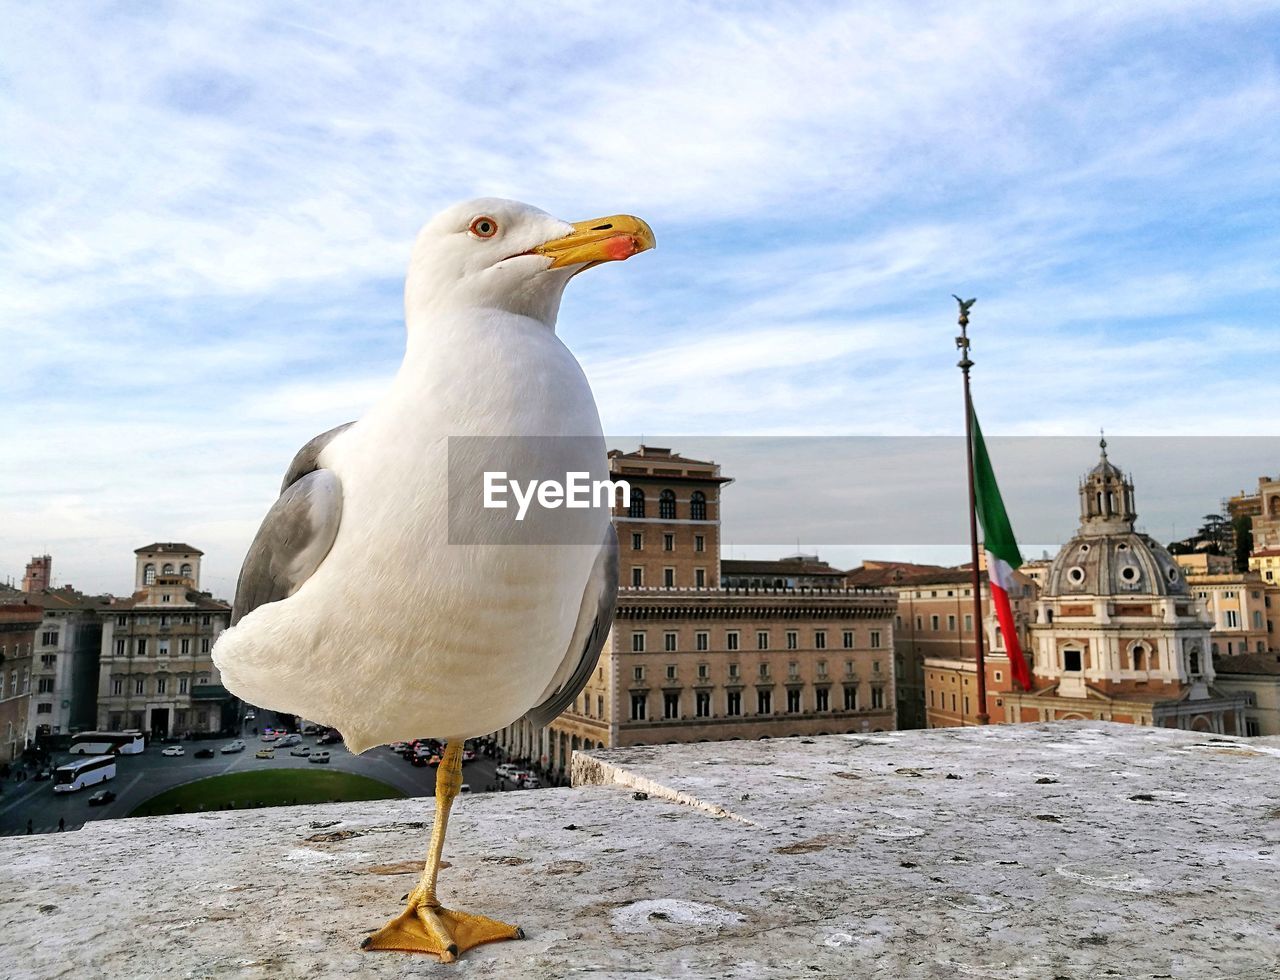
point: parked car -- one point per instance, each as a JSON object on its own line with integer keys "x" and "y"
{"x": 321, "y": 756}
{"x": 529, "y": 782}
{"x": 398, "y": 746}
{"x": 102, "y": 798}
{"x": 289, "y": 740}
{"x": 173, "y": 750}
{"x": 268, "y": 736}
{"x": 468, "y": 756}
{"x": 506, "y": 770}
{"x": 309, "y": 729}
{"x": 236, "y": 746}
{"x": 204, "y": 753}
{"x": 329, "y": 738}
{"x": 250, "y": 716}
{"x": 265, "y": 753}
{"x": 300, "y": 750}
{"x": 464, "y": 788}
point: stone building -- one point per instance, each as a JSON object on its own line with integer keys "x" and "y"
{"x": 155, "y": 672}
{"x": 65, "y": 665}
{"x": 39, "y": 574}
{"x": 1118, "y": 634}
{"x": 19, "y": 624}
{"x": 1235, "y": 603}
{"x": 1256, "y": 678}
{"x": 692, "y": 659}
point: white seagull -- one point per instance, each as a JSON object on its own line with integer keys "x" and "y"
{"x": 373, "y": 598}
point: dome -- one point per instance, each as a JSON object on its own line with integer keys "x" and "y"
{"x": 1107, "y": 556}
{"x": 1124, "y": 564}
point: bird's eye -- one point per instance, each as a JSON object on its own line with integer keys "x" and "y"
{"x": 484, "y": 227}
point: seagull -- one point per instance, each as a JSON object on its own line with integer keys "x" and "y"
{"x": 378, "y": 596}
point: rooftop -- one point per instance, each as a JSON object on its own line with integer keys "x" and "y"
{"x": 1073, "y": 850}
{"x": 168, "y": 548}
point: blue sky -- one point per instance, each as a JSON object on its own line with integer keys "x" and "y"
{"x": 206, "y": 211}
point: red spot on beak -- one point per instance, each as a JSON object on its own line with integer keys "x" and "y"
{"x": 620, "y": 247}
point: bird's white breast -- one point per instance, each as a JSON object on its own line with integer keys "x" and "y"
{"x": 401, "y": 633}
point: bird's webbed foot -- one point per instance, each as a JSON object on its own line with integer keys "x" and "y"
{"x": 425, "y": 926}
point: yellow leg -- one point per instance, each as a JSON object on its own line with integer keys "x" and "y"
{"x": 425, "y": 926}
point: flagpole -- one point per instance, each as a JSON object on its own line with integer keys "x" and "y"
{"x": 962, "y": 342}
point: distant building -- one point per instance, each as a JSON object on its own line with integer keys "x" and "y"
{"x": 704, "y": 650}
{"x": 1235, "y": 603}
{"x": 39, "y": 574}
{"x": 1255, "y": 677}
{"x": 1118, "y": 634}
{"x": 18, "y": 626}
{"x": 156, "y": 673}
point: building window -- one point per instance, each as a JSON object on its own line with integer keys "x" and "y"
{"x": 1195, "y": 663}
{"x": 117, "y": 685}
{"x": 1139, "y": 657}
{"x": 703, "y": 672}
{"x": 731, "y": 640}
{"x": 764, "y": 702}
{"x": 45, "y": 685}
{"x": 699, "y": 543}
{"x": 637, "y": 542}
{"x": 875, "y": 666}
{"x": 119, "y": 648}
{"x": 733, "y": 703}
{"x": 184, "y": 646}
{"x": 822, "y": 668}
{"x": 637, "y": 673}
{"x": 1071, "y": 661}
{"x": 44, "y": 708}
{"x": 149, "y": 574}
{"x": 822, "y": 699}
{"x": 639, "y": 707}
{"x": 668, "y": 542}
{"x": 762, "y": 640}
{"x": 637, "y": 503}
{"x": 140, "y": 647}
{"x": 49, "y": 638}
{"x": 669, "y": 641}
{"x": 204, "y": 645}
{"x": 162, "y": 685}
{"x": 667, "y": 505}
{"x": 205, "y": 620}
{"x": 669, "y": 577}
{"x": 1233, "y": 619}
{"x": 670, "y": 705}
{"x": 700, "y": 577}
{"x": 599, "y": 705}
{"x": 819, "y": 639}
{"x": 847, "y": 639}
{"x": 875, "y": 639}
{"x": 182, "y": 685}
{"x": 186, "y": 571}
{"x": 164, "y": 598}
{"x": 637, "y": 643}
{"x": 671, "y": 672}
{"x": 968, "y": 622}
{"x": 139, "y": 685}
{"x": 793, "y": 670}
{"x": 637, "y": 576}
{"x": 702, "y": 641}
{"x": 162, "y": 648}
{"x": 703, "y": 701}
{"x": 48, "y": 659}
{"x": 850, "y": 697}
{"x": 933, "y": 623}
{"x": 698, "y": 507}
{"x": 764, "y": 670}
{"x": 793, "y": 640}
{"x": 877, "y": 697}
{"x": 951, "y": 624}
{"x": 793, "y": 701}
{"x": 121, "y": 620}
{"x": 733, "y": 670}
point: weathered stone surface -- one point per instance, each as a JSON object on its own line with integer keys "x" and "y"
{"x": 1059, "y": 851}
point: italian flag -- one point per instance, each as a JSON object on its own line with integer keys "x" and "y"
{"x": 1002, "y": 550}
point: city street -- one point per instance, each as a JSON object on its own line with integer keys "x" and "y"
{"x": 140, "y": 777}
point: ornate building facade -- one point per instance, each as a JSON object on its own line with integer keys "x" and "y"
{"x": 155, "y": 669}
{"x": 1118, "y": 634}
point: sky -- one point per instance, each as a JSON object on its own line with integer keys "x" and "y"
{"x": 206, "y": 211}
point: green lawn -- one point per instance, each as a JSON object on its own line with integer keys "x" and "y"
{"x": 271, "y": 788}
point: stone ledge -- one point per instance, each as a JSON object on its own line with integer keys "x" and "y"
{"x": 1071, "y": 850}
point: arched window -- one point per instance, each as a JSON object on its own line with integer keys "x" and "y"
{"x": 637, "y": 503}
{"x": 1139, "y": 655}
{"x": 148, "y": 574}
{"x": 667, "y": 505}
{"x": 168, "y": 568}
{"x": 1195, "y": 663}
{"x": 186, "y": 570}
{"x": 698, "y": 506}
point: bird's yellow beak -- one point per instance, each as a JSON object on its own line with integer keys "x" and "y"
{"x": 610, "y": 239}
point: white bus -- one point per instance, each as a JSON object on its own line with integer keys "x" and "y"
{"x": 87, "y": 772}
{"x": 100, "y": 743}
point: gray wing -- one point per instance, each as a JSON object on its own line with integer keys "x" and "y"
{"x": 296, "y": 534}
{"x": 595, "y": 619}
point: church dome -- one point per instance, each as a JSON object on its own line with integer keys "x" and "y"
{"x": 1107, "y": 557}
